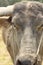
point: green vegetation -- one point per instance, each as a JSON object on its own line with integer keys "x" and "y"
{"x": 7, "y": 2}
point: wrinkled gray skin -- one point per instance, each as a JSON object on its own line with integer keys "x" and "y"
{"x": 23, "y": 35}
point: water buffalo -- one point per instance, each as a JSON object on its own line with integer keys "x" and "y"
{"x": 24, "y": 31}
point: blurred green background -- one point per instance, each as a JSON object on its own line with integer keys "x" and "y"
{"x": 7, "y": 2}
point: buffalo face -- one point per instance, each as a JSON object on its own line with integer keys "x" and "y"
{"x": 23, "y": 34}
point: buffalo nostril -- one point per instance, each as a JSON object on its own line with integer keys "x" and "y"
{"x": 18, "y": 62}
{"x": 26, "y": 62}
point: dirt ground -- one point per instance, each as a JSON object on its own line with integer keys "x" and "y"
{"x": 5, "y": 58}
